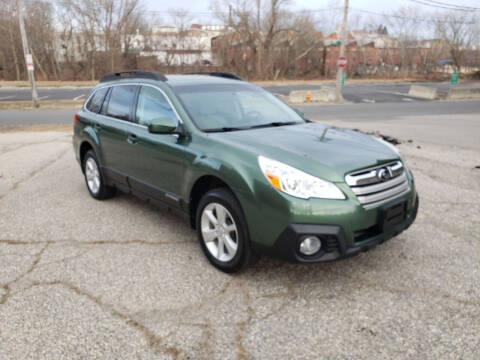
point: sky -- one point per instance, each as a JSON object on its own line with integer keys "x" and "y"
{"x": 198, "y": 8}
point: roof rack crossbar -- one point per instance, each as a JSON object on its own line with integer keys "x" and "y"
{"x": 216, "y": 73}
{"x": 119, "y": 75}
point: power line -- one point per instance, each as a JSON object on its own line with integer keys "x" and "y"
{"x": 400, "y": 17}
{"x": 452, "y": 5}
{"x": 439, "y": 5}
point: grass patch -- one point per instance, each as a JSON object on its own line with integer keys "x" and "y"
{"x": 4, "y": 83}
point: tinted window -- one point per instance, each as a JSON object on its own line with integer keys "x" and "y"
{"x": 152, "y": 104}
{"x": 121, "y": 100}
{"x": 95, "y": 102}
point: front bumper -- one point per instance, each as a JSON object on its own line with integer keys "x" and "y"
{"x": 334, "y": 242}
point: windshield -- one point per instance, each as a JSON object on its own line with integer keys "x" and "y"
{"x": 225, "y": 107}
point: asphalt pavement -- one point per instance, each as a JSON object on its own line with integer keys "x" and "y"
{"x": 381, "y": 92}
{"x": 448, "y": 123}
{"x": 354, "y": 92}
{"x": 120, "y": 279}
{"x": 454, "y": 123}
{"x": 44, "y": 93}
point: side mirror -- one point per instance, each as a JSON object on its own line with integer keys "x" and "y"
{"x": 162, "y": 125}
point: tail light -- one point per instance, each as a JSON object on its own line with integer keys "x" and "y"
{"x": 75, "y": 118}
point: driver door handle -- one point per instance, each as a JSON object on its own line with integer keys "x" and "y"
{"x": 132, "y": 139}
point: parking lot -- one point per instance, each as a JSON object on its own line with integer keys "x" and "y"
{"x": 121, "y": 279}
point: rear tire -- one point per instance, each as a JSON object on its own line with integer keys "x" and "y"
{"x": 94, "y": 178}
{"x": 222, "y": 231}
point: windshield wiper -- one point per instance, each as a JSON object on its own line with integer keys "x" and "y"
{"x": 231, "y": 128}
{"x": 224, "y": 129}
{"x": 275, "y": 123}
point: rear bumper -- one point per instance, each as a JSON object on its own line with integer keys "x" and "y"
{"x": 334, "y": 242}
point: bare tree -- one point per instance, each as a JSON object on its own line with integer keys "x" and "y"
{"x": 266, "y": 36}
{"x": 40, "y": 21}
{"x": 10, "y": 41}
{"x": 103, "y": 27}
{"x": 406, "y": 29}
{"x": 458, "y": 31}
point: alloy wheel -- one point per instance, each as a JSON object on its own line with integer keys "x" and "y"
{"x": 93, "y": 175}
{"x": 219, "y": 232}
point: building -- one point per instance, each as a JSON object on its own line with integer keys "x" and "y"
{"x": 170, "y": 45}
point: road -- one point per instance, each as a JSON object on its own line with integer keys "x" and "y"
{"x": 443, "y": 122}
{"x": 120, "y": 279}
{"x": 44, "y": 93}
{"x": 455, "y": 124}
{"x": 384, "y": 92}
{"x": 354, "y": 92}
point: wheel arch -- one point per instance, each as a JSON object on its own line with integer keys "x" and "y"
{"x": 88, "y": 141}
{"x": 200, "y": 187}
{"x": 85, "y": 146}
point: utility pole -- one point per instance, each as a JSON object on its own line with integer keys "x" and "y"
{"x": 230, "y": 19}
{"x": 341, "y": 56}
{"x": 26, "y": 53}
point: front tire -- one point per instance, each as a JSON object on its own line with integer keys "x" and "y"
{"x": 222, "y": 231}
{"x": 94, "y": 178}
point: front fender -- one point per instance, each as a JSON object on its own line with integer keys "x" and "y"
{"x": 235, "y": 177}
{"x": 249, "y": 186}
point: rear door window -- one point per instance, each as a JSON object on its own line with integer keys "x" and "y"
{"x": 121, "y": 101}
{"x": 95, "y": 103}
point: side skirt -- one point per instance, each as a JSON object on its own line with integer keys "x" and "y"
{"x": 147, "y": 192}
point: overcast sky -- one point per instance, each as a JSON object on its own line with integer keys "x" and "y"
{"x": 383, "y": 6}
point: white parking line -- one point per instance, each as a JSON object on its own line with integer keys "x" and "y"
{"x": 6, "y": 97}
{"x": 407, "y": 99}
{"x": 43, "y": 97}
{"x": 78, "y": 97}
{"x": 368, "y": 101}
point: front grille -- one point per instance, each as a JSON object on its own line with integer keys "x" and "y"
{"x": 377, "y": 185}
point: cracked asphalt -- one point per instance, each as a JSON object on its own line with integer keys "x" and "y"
{"x": 120, "y": 279}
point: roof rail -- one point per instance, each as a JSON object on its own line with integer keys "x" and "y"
{"x": 219, "y": 74}
{"x": 119, "y": 75}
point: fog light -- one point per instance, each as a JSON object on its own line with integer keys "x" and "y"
{"x": 310, "y": 245}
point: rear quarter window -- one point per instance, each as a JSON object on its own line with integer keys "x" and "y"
{"x": 96, "y": 100}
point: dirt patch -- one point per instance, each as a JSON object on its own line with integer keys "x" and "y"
{"x": 388, "y": 138}
{"x": 46, "y": 104}
{"x": 36, "y": 127}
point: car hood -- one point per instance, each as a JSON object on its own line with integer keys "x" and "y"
{"x": 321, "y": 150}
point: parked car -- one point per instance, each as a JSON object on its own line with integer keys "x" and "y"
{"x": 251, "y": 174}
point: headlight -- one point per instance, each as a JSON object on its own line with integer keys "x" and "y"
{"x": 297, "y": 183}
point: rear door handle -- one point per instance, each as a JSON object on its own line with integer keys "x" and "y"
{"x": 132, "y": 139}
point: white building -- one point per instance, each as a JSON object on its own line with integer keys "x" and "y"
{"x": 169, "y": 44}
{"x": 173, "y": 46}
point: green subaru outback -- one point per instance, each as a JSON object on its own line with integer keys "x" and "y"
{"x": 251, "y": 174}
